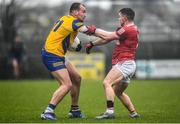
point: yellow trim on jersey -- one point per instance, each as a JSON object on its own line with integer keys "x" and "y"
{"x": 62, "y": 35}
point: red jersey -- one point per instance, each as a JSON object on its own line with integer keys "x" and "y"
{"x": 127, "y": 44}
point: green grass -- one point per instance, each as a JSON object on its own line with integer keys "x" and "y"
{"x": 155, "y": 100}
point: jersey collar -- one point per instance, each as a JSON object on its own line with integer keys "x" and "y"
{"x": 130, "y": 24}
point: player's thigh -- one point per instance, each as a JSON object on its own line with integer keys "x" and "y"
{"x": 73, "y": 72}
{"x": 113, "y": 76}
{"x": 127, "y": 68}
{"x": 62, "y": 76}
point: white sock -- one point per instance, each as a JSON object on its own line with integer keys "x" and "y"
{"x": 49, "y": 110}
{"x": 110, "y": 110}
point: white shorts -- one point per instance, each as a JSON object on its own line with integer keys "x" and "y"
{"x": 127, "y": 68}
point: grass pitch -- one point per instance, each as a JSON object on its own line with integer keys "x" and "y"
{"x": 157, "y": 101}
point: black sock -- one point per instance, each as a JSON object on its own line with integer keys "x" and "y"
{"x": 110, "y": 104}
{"x": 74, "y": 107}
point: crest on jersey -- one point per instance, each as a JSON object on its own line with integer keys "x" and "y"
{"x": 120, "y": 31}
{"x": 79, "y": 24}
{"x": 57, "y": 64}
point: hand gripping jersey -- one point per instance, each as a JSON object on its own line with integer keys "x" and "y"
{"x": 62, "y": 35}
{"x": 125, "y": 48}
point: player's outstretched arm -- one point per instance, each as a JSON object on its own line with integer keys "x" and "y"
{"x": 97, "y": 42}
{"x": 108, "y": 36}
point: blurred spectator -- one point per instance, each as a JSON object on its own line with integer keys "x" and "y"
{"x": 17, "y": 57}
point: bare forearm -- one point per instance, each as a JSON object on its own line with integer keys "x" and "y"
{"x": 102, "y": 34}
{"x": 99, "y": 41}
{"x": 105, "y": 34}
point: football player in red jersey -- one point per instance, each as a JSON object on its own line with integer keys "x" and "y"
{"x": 123, "y": 61}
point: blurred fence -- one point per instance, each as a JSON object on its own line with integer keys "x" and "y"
{"x": 36, "y": 69}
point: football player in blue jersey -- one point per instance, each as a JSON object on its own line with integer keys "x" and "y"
{"x": 60, "y": 38}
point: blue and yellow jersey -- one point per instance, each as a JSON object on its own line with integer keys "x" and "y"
{"x": 62, "y": 35}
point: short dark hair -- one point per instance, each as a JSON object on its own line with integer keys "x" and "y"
{"x": 75, "y": 6}
{"x": 128, "y": 12}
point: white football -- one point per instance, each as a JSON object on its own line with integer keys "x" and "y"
{"x": 74, "y": 46}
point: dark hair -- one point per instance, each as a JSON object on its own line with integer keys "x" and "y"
{"x": 128, "y": 12}
{"x": 75, "y": 6}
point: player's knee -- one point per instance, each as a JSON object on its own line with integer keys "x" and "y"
{"x": 78, "y": 79}
{"x": 106, "y": 83}
{"x": 118, "y": 93}
{"x": 68, "y": 86}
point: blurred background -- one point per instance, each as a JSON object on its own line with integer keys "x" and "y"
{"x": 29, "y": 21}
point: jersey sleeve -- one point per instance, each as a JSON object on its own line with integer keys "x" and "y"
{"x": 77, "y": 24}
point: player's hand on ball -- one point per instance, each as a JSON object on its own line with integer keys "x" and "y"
{"x": 76, "y": 46}
{"x": 90, "y": 29}
{"x": 88, "y": 47}
{"x": 79, "y": 47}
